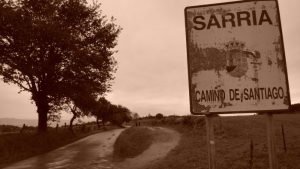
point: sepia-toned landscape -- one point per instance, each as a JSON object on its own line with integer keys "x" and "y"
{"x": 149, "y": 84}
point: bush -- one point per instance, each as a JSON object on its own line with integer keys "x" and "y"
{"x": 171, "y": 120}
{"x": 178, "y": 120}
{"x": 187, "y": 120}
{"x": 154, "y": 122}
{"x": 200, "y": 120}
{"x": 159, "y": 116}
{"x": 7, "y": 130}
{"x": 83, "y": 128}
{"x": 191, "y": 121}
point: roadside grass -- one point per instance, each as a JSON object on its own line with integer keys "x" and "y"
{"x": 233, "y": 136}
{"x": 132, "y": 142}
{"x": 19, "y": 146}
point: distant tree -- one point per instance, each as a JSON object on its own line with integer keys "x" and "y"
{"x": 80, "y": 103}
{"x": 295, "y": 107}
{"x": 119, "y": 114}
{"x": 49, "y": 46}
{"x": 136, "y": 116}
{"x": 77, "y": 113}
{"x": 54, "y": 115}
{"x": 150, "y": 116}
{"x": 127, "y": 114}
{"x": 101, "y": 111}
{"x": 159, "y": 116}
{"x": 9, "y": 128}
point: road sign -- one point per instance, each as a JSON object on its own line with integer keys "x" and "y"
{"x": 236, "y": 59}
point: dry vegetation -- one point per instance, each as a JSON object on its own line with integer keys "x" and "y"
{"x": 233, "y": 137}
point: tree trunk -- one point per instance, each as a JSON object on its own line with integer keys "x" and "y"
{"x": 103, "y": 123}
{"x": 42, "y": 110}
{"x": 98, "y": 124}
{"x": 42, "y": 125}
{"x": 71, "y": 123}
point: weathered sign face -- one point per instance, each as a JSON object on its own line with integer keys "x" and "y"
{"x": 236, "y": 58}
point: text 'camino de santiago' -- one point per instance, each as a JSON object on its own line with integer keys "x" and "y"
{"x": 237, "y": 94}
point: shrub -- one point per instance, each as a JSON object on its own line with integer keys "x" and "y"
{"x": 83, "y": 128}
{"x": 163, "y": 121}
{"x": 171, "y": 120}
{"x": 154, "y": 122}
{"x": 9, "y": 128}
{"x": 200, "y": 120}
{"x": 187, "y": 120}
{"x": 178, "y": 120}
{"x": 159, "y": 116}
{"x": 6, "y": 130}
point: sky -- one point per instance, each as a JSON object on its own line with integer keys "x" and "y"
{"x": 152, "y": 72}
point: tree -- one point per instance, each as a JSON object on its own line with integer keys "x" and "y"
{"x": 159, "y": 116}
{"x": 101, "y": 111}
{"x": 295, "y": 107}
{"x": 81, "y": 101}
{"x": 53, "y": 116}
{"x": 149, "y": 116}
{"x": 136, "y": 116}
{"x": 126, "y": 113}
{"x": 119, "y": 114}
{"x": 48, "y": 47}
{"x": 77, "y": 113}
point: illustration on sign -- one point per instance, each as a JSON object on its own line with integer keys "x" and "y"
{"x": 236, "y": 60}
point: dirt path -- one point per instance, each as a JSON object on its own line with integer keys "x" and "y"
{"x": 165, "y": 140}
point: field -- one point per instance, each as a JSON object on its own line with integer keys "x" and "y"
{"x": 233, "y": 138}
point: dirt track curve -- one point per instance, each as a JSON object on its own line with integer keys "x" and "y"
{"x": 165, "y": 140}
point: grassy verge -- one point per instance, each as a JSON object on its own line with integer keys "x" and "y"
{"x": 233, "y": 136}
{"x": 132, "y": 142}
{"x": 19, "y": 146}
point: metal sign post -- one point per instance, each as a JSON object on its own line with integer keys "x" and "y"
{"x": 271, "y": 141}
{"x": 236, "y": 62}
{"x": 210, "y": 142}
